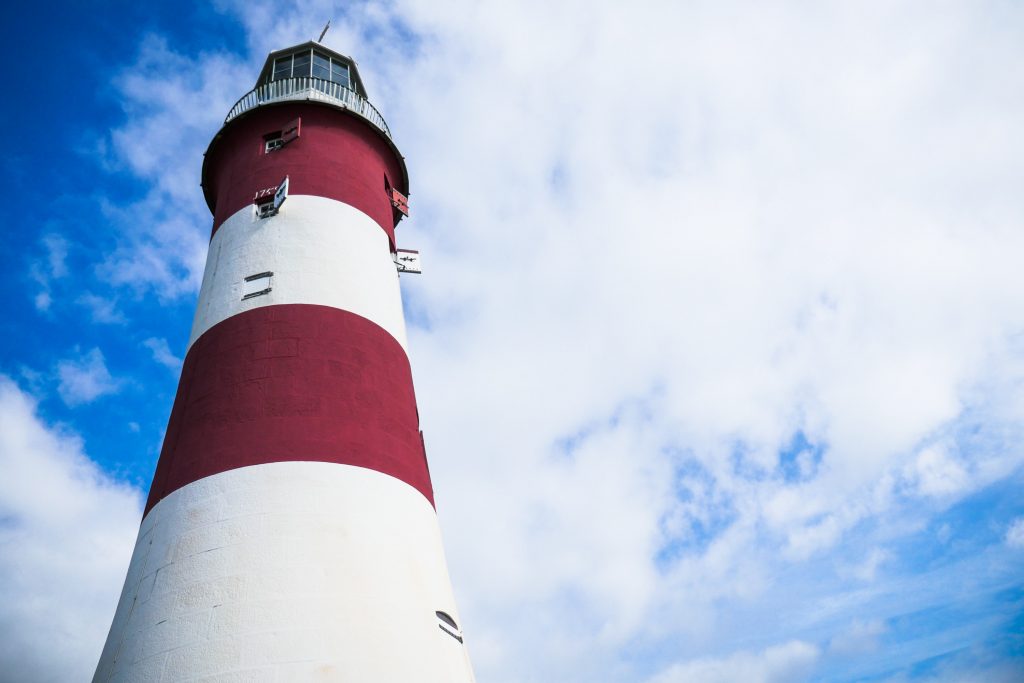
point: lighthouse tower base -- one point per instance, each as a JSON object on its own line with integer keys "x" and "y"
{"x": 289, "y": 571}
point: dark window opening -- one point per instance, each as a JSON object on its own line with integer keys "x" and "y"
{"x": 321, "y": 66}
{"x": 339, "y": 73}
{"x": 300, "y": 65}
{"x": 272, "y": 141}
{"x": 282, "y": 68}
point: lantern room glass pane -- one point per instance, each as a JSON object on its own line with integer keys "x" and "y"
{"x": 339, "y": 73}
{"x": 300, "y": 66}
{"x": 321, "y": 66}
{"x": 282, "y": 67}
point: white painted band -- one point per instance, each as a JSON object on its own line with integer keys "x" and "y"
{"x": 320, "y": 251}
{"x": 292, "y": 571}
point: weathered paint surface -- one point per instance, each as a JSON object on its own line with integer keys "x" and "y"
{"x": 293, "y": 382}
{"x": 320, "y": 251}
{"x": 296, "y": 571}
{"x": 338, "y": 156}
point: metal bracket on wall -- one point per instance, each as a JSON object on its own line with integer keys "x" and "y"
{"x": 407, "y": 261}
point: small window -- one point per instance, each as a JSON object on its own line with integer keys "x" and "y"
{"x": 256, "y": 285}
{"x": 273, "y": 144}
{"x": 448, "y": 625}
{"x": 321, "y": 66}
{"x": 282, "y": 68}
{"x": 339, "y": 73}
{"x": 300, "y": 65}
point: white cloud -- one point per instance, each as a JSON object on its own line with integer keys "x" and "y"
{"x": 84, "y": 379}
{"x": 162, "y": 353}
{"x": 42, "y": 301}
{"x": 101, "y": 309}
{"x": 788, "y": 663}
{"x": 867, "y": 569}
{"x": 969, "y": 671}
{"x": 862, "y": 637}
{"x": 934, "y": 472}
{"x": 174, "y": 104}
{"x": 66, "y": 537}
{"x": 1015, "y": 533}
{"x": 49, "y": 268}
{"x": 679, "y": 197}
{"x": 56, "y": 255}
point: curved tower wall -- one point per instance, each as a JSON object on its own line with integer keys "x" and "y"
{"x": 290, "y": 532}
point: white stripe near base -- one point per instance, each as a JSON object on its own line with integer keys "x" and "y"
{"x": 320, "y": 251}
{"x": 287, "y": 572}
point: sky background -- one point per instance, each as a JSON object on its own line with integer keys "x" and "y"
{"x": 719, "y": 347}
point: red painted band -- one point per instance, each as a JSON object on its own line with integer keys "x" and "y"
{"x": 338, "y": 156}
{"x": 293, "y": 382}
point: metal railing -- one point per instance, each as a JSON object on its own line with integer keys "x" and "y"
{"x": 308, "y": 88}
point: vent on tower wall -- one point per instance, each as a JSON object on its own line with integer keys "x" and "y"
{"x": 256, "y": 285}
{"x": 407, "y": 261}
{"x": 448, "y": 625}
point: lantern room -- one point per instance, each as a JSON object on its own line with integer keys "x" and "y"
{"x": 312, "y": 60}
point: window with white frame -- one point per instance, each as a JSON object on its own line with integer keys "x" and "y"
{"x": 266, "y": 209}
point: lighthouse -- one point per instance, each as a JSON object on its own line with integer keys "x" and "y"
{"x": 290, "y": 532}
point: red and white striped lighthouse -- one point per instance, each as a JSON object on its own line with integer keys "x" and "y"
{"x": 290, "y": 532}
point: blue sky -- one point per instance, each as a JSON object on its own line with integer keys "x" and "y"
{"x": 68, "y": 104}
{"x": 718, "y": 347}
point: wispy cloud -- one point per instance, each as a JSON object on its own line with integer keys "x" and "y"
{"x": 162, "y": 353}
{"x": 52, "y": 266}
{"x": 102, "y": 310}
{"x": 1015, "y": 533}
{"x": 174, "y": 104}
{"x": 787, "y": 663}
{"x": 861, "y": 638}
{"x": 85, "y": 378}
{"x": 67, "y": 531}
{"x": 867, "y": 569}
{"x": 934, "y": 473}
